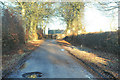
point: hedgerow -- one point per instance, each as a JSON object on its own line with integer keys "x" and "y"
{"x": 12, "y": 31}
{"x": 107, "y": 41}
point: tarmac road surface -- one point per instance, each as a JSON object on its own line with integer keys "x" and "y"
{"x": 53, "y": 62}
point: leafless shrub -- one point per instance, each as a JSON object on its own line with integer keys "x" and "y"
{"x": 12, "y": 31}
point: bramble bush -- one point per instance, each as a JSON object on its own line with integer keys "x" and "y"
{"x": 12, "y": 32}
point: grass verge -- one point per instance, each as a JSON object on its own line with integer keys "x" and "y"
{"x": 106, "y": 64}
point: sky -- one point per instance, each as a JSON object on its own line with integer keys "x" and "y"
{"x": 55, "y": 23}
{"x": 95, "y": 20}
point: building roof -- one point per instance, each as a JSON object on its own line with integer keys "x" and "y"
{"x": 55, "y": 31}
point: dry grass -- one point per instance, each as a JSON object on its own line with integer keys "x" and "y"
{"x": 93, "y": 58}
{"x": 90, "y": 57}
{"x": 63, "y": 42}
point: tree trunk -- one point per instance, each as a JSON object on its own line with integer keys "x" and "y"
{"x": 33, "y": 32}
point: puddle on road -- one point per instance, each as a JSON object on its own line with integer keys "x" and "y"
{"x": 62, "y": 49}
{"x": 32, "y": 75}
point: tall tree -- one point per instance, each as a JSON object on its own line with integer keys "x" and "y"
{"x": 72, "y": 13}
{"x": 32, "y": 14}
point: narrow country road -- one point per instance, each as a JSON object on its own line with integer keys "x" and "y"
{"x": 53, "y": 62}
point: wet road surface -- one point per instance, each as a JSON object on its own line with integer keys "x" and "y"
{"x": 53, "y": 62}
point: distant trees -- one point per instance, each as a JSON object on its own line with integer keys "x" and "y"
{"x": 35, "y": 14}
{"x": 72, "y": 14}
{"x": 32, "y": 14}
